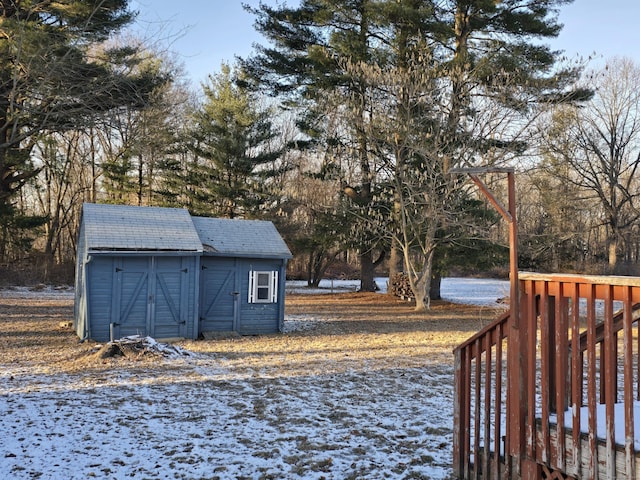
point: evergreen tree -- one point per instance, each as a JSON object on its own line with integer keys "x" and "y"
{"x": 52, "y": 79}
{"x": 452, "y": 83}
{"x": 233, "y": 140}
{"x": 313, "y": 44}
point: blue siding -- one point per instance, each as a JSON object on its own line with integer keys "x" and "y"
{"x": 157, "y": 296}
{"x": 218, "y": 302}
{"x": 99, "y": 296}
{"x": 172, "y": 288}
{"x": 260, "y": 318}
{"x": 152, "y": 296}
{"x": 130, "y": 296}
{"x": 224, "y": 292}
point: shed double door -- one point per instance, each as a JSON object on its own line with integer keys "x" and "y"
{"x": 219, "y": 295}
{"x": 150, "y": 297}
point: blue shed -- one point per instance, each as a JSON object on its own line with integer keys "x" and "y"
{"x": 162, "y": 273}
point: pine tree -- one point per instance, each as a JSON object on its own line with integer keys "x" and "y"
{"x": 308, "y": 65}
{"x": 233, "y": 143}
{"x": 421, "y": 87}
{"x": 52, "y": 79}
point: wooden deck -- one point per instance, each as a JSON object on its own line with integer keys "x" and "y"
{"x": 578, "y": 461}
{"x": 526, "y": 384}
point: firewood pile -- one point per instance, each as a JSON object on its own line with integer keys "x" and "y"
{"x": 400, "y": 287}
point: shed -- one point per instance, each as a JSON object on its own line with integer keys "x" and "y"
{"x": 162, "y": 273}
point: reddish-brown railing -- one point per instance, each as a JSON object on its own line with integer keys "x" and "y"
{"x": 576, "y": 367}
{"x": 479, "y": 399}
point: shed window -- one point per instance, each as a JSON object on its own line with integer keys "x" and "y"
{"x": 263, "y": 287}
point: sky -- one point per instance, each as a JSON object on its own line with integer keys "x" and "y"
{"x": 205, "y": 33}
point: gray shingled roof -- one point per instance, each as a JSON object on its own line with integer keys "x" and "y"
{"x": 129, "y": 228}
{"x": 241, "y": 237}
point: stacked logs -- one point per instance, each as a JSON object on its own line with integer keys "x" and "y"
{"x": 400, "y": 287}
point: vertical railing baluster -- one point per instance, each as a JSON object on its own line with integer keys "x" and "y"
{"x": 560, "y": 353}
{"x": 545, "y": 369}
{"x": 531, "y": 318}
{"x": 468, "y": 394}
{"x": 487, "y": 405}
{"x": 629, "y": 426}
{"x": 477, "y": 417}
{"x": 576, "y": 379}
{"x": 608, "y": 357}
{"x": 591, "y": 383}
{"x": 498, "y": 403}
{"x": 460, "y": 411}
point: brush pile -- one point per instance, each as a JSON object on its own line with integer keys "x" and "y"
{"x": 136, "y": 346}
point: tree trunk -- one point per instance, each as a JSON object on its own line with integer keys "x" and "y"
{"x": 421, "y": 287}
{"x": 434, "y": 288}
{"x": 421, "y": 283}
{"x": 395, "y": 262}
{"x": 613, "y": 254}
{"x": 367, "y": 268}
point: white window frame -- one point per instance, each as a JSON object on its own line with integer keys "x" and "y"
{"x": 271, "y": 286}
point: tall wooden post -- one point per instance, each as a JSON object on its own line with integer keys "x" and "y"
{"x": 517, "y": 373}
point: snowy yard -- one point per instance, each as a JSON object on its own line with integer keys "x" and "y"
{"x": 339, "y": 396}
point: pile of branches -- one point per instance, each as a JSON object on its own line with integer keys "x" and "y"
{"x": 136, "y": 346}
{"x": 400, "y": 287}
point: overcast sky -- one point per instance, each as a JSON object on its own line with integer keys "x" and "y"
{"x": 204, "y": 33}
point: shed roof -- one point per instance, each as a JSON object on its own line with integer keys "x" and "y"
{"x": 131, "y": 228}
{"x": 241, "y": 237}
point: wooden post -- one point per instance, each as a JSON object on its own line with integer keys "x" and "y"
{"x": 517, "y": 372}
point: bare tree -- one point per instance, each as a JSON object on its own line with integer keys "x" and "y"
{"x": 601, "y": 144}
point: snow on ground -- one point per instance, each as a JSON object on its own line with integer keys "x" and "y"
{"x": 472, "y": 291}
{"x": 198, "y": 418}
{"x": 210, "y": 424}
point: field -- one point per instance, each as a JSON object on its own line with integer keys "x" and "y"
{"x": 358, "y": 387}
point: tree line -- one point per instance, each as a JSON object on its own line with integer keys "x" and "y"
{"x": 344, "y": 128}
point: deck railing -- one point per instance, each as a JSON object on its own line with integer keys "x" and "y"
{"x": 571, "y": 383}
{"x": 479, "y": 399}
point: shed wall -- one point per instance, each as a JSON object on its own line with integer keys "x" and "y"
{"x": 224, "y": 295}
{"x": 142, "y": 295}
{"x": 80, "y": 301}
{"x": 260, "y": 318}
{"x": 99, "y": 287}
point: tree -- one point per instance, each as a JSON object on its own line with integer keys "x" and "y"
{"x": 424, "y": 87}
{"x": 233, "y": 141}
{"x": 460, "y": 95}
{"x": 52, "y": 79}
{"x": 138, "y": 142}
{"x": 313, "y": 43}
{"x": 555, "y": 219}
{"x": 600, "y": 142}
{"x": 313, "y": 225}
{"x": 59, "y": 191}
